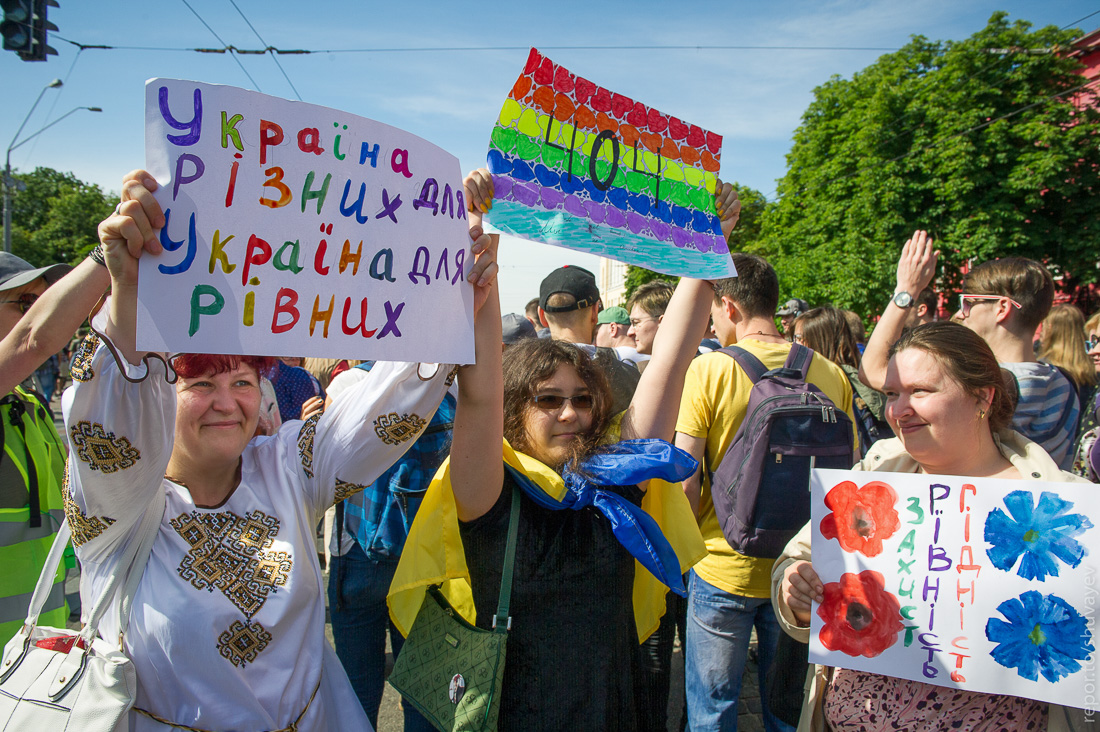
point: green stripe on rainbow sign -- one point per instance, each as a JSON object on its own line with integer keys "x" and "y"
{"x": 579, "y": 166}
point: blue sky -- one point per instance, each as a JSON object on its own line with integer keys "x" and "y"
{"x": 753, "y": 97}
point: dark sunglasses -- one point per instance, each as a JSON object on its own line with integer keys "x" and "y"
{"x": 23, "y": 302}
{"x": 553, "y": 402}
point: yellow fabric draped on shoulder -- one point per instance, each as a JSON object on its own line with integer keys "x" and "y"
{"x": 433, "y": 552}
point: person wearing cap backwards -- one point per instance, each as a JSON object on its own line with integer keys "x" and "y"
{"x": 569, "y": 305}
{"x": 787, "y": 314}
{"x": 32, "y": 464}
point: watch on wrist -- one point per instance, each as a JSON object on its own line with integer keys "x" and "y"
{"x": 903, "y": 299}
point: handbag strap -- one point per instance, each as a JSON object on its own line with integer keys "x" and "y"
{"x": 49, "y": 572}
{"x": 151, "y": 529}
{"x": 136, "y": 555}
{"x": 502, "y": 621}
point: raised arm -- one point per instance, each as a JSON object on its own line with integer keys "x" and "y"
{"x": 916, "y": 267}
{"x": 125, "y": 235}
{"x": 652, "y": 411}
{"x": 56, "y": 315}
{"x": 477, "y": 470}
{"x": 50, "y": 322}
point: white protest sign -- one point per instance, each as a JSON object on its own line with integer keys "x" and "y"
{"x": 975, "y": 583}
{"x": 299, "y": 230}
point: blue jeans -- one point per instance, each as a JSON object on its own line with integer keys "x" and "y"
{"x": 357, "y": 590}
{"x": 719, "y": 625}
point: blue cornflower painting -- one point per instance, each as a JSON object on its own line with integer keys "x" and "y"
{"x": 1043, "y": 635}
{"x": 1041, "y": 534}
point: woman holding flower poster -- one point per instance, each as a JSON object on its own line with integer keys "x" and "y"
{"x": 947, "y": 400}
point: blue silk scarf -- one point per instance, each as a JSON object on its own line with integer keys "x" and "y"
{"x": 625, "y": 463}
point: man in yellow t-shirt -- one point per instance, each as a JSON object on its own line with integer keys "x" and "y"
{"x": 728, "y": 592}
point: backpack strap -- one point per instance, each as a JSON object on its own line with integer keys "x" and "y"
{"x": 799, "y": 359}
{"x": 749, "y": 363}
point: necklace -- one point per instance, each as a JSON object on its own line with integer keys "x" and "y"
{"x": 762, "y": 333}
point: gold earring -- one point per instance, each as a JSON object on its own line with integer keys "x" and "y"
{"x": 981, "y": 414}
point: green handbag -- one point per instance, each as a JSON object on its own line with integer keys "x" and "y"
{"x": 452, "y": 671}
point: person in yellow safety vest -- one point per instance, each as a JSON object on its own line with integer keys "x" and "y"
{"x": 32, "y": 465}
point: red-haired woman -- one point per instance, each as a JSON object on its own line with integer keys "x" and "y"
{"x": 227, "y": 627}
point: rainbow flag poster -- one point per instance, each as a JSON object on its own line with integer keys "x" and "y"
{"x": 581, "y": 167}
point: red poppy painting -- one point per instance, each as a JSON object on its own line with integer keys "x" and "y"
{"x": 861, "y": 518}
{"x": 861, "y": 617}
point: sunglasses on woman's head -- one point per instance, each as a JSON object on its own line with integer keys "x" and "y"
{"x": 965, "y": 304}
{"x": 23, "y": 302}
{"x": 552, "y": 402}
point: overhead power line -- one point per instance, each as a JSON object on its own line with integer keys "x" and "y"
{"x": 274, "y": 57}
{"x": 229, "y": 48}
{"x": 215, "y": 34}
{"x": 1070, "y": 25}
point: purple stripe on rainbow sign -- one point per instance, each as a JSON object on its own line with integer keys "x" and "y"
{"x": 623, "y": 199}
{"x": 531, "y": 194}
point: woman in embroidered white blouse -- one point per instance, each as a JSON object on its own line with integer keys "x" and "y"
{"x": 227, "y": 627}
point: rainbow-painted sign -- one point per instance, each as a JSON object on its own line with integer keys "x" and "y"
{"x": 581, "y": 167}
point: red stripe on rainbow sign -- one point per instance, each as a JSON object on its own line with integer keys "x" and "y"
{"x": 552, "y": 89}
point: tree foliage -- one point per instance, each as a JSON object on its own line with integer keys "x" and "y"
{"x": 977, "y": 141}
{"x": 747, "y": 231}
{"x": 54, "y": 219}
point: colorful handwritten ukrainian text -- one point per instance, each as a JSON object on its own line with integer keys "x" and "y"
{"x": 981, "y": 584}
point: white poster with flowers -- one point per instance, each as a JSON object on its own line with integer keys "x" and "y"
{"x": 973, "y": 583}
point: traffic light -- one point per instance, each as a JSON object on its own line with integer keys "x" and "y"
{"x": 25, "y": 28}
{"x": 16, "y": 26}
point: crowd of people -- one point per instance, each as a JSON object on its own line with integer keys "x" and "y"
{"x": 612, "y": 425}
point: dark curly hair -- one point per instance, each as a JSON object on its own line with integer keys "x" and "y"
{"x": 531, "y": 362}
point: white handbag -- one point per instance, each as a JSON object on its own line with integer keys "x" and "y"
{"x": 87, "y": 684}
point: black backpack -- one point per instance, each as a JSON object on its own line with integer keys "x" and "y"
{"x": 761, "y": 488}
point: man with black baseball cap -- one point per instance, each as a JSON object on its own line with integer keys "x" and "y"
{"x": 569, "y": 305}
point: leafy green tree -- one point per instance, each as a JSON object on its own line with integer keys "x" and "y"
{"x": 54, "y": 219}
{"x": 978, "y": 141}
{"x": 753, "y": 205}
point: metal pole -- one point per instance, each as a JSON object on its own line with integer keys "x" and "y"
{"x": 7, "y": 166}
{"x": 8, "y": 181}
{"x": 7, "y": 204}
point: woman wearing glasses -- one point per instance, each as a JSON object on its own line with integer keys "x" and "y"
{"x": 591, "y": 505}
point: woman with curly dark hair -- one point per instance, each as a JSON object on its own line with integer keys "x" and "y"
{"x": 604, "y": 529}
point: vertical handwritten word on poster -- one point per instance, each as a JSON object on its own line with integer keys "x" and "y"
{"x": 300, "y": 230}
{"x": 581, "y": 167}
{"x": 975, "y": 583}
